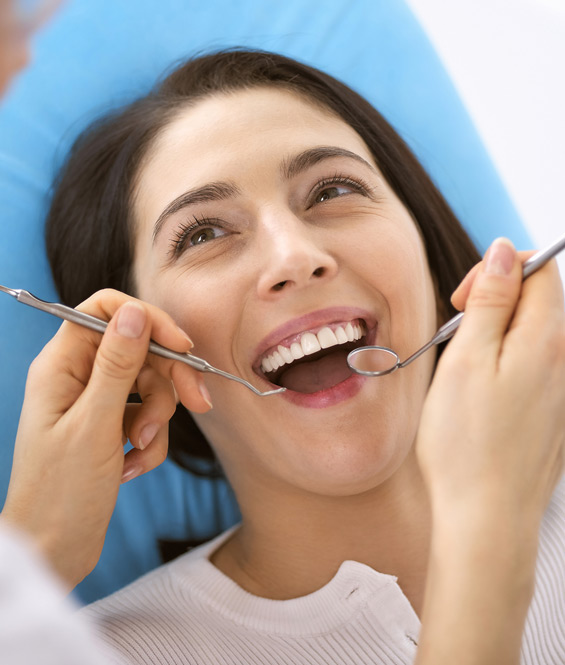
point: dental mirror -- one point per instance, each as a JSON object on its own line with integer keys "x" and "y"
{"x": 380, "y": 360}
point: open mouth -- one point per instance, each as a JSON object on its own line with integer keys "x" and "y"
{"x": 314, "y": 360}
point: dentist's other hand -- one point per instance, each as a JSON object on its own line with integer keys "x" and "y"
{"x": 491, "y": 449}
{"x": 69, "y": 460}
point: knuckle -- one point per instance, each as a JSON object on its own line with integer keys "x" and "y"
{"x": 161, "y": 455}
{"x": 98, "y": 297}
{"x": 172, "y": 407}
{"x": 105, "y": 293}
{"x": 493, "y": 296}
{"x": 113, "y": 363}
{"x": 36, "y": 368}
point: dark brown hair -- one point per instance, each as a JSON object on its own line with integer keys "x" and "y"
{"x": 90, "y": 228}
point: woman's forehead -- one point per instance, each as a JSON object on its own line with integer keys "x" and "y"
{"x": 264, "y": 121}
{"x": 242, "y": 138}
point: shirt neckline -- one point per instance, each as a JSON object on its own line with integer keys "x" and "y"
{"x": 318, "y": 612}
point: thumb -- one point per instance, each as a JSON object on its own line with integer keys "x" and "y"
{"x": 493, "y": 297}
{"x": 120, "y": 357}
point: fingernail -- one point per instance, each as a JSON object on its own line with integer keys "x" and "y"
{"x": 500, "y": 257}
{"x": 131, "y": 320}
{"x": 186, "y": 336}
{"x": 130, "y": 473}
{"x": 147, "y": 435}
{"x": 204, "y": 392}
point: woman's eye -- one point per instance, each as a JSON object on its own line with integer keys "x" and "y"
{"x": 196, "y": 232}
{"x": 337, "y": 187}
{"x": 332, "y": 192}
{"x": 204, "y": 235}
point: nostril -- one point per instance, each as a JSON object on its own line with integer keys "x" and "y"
{"x": 279, "y": 286}
{"x": 318, "y": 272}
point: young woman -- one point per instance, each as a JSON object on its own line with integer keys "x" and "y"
{"x": 276, "y": 217}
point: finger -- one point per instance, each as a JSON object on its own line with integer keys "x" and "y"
{"x": 77, "y": 345}
{"x": 537, "y": 330}
{"x": 164, "y": 330}
{"x": 118, "y": 360}
{"x": 190, "y": 389}
{"x": 137, "y": 462}
{"x": 492, "y": 300}
{"x": 461, "y": 293}
{"x": 157, "y": 408}
{"x": 542, "y": 293}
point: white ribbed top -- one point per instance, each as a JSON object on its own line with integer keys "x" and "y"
{"x": 189, "y": 612}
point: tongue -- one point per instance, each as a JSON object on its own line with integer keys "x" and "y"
{"x": 311, "y": 376}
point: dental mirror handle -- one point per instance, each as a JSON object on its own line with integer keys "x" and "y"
{"x": 530, "y": 266}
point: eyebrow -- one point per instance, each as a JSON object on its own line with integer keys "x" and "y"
{"x": 220, "y": 191}
{"x": 304, "y": 160}
{"x": 215, "y": 191}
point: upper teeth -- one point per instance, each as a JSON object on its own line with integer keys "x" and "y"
{"x": 310, "y": 343}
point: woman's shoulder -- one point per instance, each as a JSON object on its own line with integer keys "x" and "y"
{"x": 159, "y": 590}
{"x": 146, "y": 619}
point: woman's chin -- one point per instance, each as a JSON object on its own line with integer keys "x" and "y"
{"x": 342, "y": 465}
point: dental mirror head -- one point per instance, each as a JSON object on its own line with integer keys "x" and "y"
{"x": 373, "y": 360}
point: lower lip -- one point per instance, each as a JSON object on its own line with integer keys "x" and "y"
{"x": 329, "y": 397}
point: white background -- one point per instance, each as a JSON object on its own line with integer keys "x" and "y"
{"x": 507, "y": 60}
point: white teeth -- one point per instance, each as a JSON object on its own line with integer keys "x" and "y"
{"x": 286, "y": 354}
{"x": 277, "y": 360}
{"x": 327, "y": 338}
{"x": 340, "y": 335}
{"x": 310, "y": 343}
{"x": 296, "y": 351}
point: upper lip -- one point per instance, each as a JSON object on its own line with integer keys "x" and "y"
{"x": 308, "y": 322}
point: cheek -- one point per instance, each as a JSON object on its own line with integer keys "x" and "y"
{"x": 392, "y": 259}
{"x": 202, "y": 308}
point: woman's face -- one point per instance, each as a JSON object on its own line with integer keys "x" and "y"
{"x": 264, "y": 222}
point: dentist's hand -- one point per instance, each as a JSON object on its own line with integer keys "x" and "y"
{"x": 69, "y": 460}
{"x": 491, "y": 449}
{"x": 494, "y": 420}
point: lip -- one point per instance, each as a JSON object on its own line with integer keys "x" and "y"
{"x": 343, "y": 390}
{"x": 329, "y": 397}
{"x": 309, "y": 322}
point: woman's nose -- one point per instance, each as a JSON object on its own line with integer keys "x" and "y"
{"x": 293, "y": 257}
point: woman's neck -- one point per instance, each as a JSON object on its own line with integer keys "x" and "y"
{"x": 291, "y": 546}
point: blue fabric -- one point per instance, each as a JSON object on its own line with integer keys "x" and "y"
{"x": 98, "y": 55}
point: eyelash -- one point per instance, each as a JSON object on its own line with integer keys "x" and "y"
{"x": 183, "y": 233}
{"x": 359, "y": 185}
{"x": 186, "y": 229}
